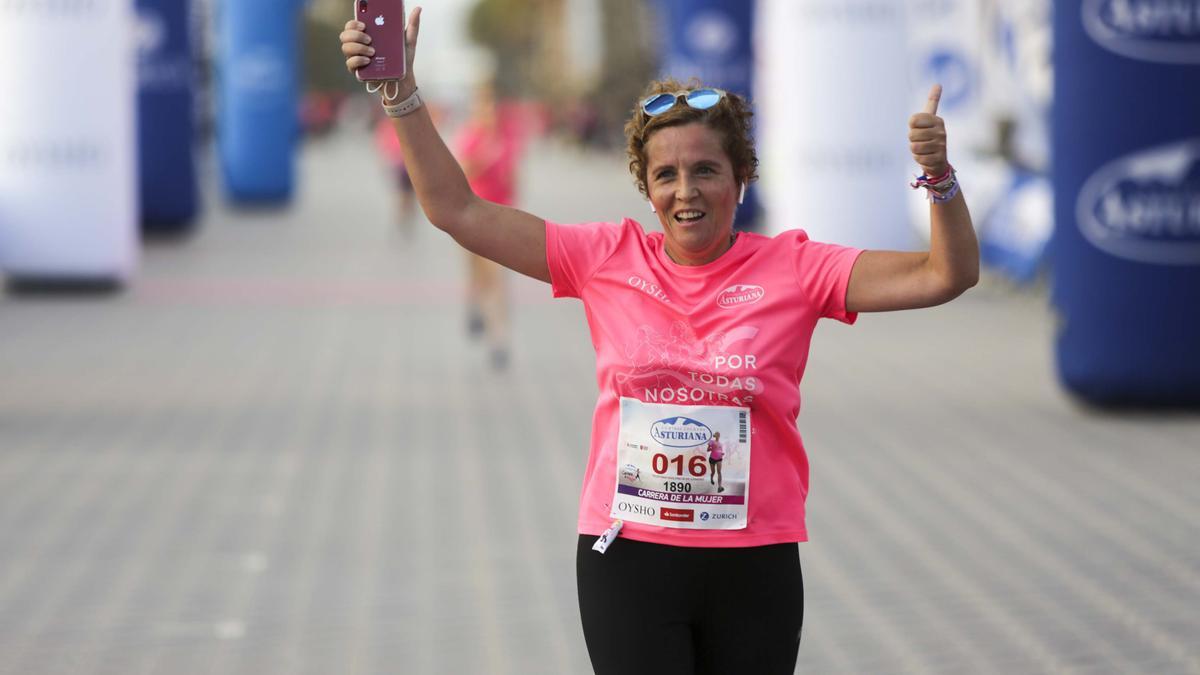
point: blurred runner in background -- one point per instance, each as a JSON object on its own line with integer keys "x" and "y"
{"x": 389, "y": 151}
{"x": 488, "y": 148}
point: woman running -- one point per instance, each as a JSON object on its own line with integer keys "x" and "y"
{"x": 646, "y": 546}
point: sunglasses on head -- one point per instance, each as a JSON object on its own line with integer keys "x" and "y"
{"x": 700, "y": 99}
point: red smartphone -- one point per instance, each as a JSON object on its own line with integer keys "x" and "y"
{"x": 384, "y": 20}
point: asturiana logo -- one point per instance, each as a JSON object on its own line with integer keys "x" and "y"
{"x": 741, "y": 294}
{"x": 1162, "y": 31}
{"x": 1146, "y": 206}
{"x": 680, "y": 432}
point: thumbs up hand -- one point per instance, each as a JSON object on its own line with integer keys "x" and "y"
{"x": 927, "y": 136}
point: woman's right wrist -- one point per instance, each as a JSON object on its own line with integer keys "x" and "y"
{"x": 407, "y": 86}
{"x": 403, "y": 106}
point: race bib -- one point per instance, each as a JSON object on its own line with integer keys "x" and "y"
{"x": 683, "y": 466}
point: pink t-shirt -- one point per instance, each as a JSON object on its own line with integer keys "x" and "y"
{"x": 734, "y": 332}
{"x": 495, "y": 152}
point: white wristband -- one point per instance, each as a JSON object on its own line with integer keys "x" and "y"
{"x": 404, "y": 107}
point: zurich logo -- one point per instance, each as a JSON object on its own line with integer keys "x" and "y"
{"x": 704, "y": 515}
{"x": 1162, "y": 31}
{"x": 680, "y": 432}
{"x": 1146, "y": 206}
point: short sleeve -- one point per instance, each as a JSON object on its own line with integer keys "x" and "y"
{"x": 823, "y": 271}
{"x": 575, "y": 252}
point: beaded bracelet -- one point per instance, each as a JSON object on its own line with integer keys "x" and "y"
{"x": 926, "y": 181}
{"x": 939, "y": 189}
{"x": 943, "y": 197}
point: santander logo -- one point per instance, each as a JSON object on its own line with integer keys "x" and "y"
{"x": 741, "y": 294}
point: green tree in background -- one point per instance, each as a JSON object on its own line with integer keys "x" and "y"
{"x": 513, "y": 31}
{"x": 324, "y": 65}
{"x": 627, "y": 65}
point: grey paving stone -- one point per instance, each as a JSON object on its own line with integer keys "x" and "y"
{"x": 278, "y": 453}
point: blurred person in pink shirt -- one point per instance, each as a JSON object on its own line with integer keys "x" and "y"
{"x": 389, "y": 151}
{"x": 488, "y": 149}
{"x": 701, "y": 334}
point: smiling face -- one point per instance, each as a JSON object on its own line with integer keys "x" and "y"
{"x": 692, "y": 185}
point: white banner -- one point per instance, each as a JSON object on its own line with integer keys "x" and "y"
{"x": 68, "y": 192}
{"x": 833, "y": 95}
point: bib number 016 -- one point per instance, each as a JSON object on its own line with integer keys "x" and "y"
{"x": 696, "y": 466}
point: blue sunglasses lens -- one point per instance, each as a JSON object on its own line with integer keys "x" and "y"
{"x": 656, "y": 105}
{"x": 703, "y": 99}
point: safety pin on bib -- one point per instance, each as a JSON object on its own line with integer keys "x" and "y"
{"x": 606, "y": 539}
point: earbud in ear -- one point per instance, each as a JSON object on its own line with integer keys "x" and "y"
{"x": 652, "y": 209}
{"x": 742, "y": 196}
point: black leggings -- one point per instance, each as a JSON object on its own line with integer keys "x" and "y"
{"x": 650, "y": 608}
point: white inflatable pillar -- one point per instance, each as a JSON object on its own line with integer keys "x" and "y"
{"x": 834, "y": 100}
{"x": 68, "y": 191}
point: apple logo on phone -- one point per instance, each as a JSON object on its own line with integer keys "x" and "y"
{"x": 379, "y": 20}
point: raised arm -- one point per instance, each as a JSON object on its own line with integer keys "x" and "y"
{"x": 882, "y": 281}
{"x": 506, "y": 235}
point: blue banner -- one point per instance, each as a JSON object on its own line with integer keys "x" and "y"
{"x": 166, "y": 82}
{"x": 1126, "y": 246}
{"x": 712, "y": 40}
{"x": 258, "y": 91}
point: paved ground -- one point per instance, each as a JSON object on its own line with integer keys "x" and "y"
{"x": 277, "y": 453}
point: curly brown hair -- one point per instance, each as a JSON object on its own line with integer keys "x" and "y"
{"x": 730, "y": 117}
